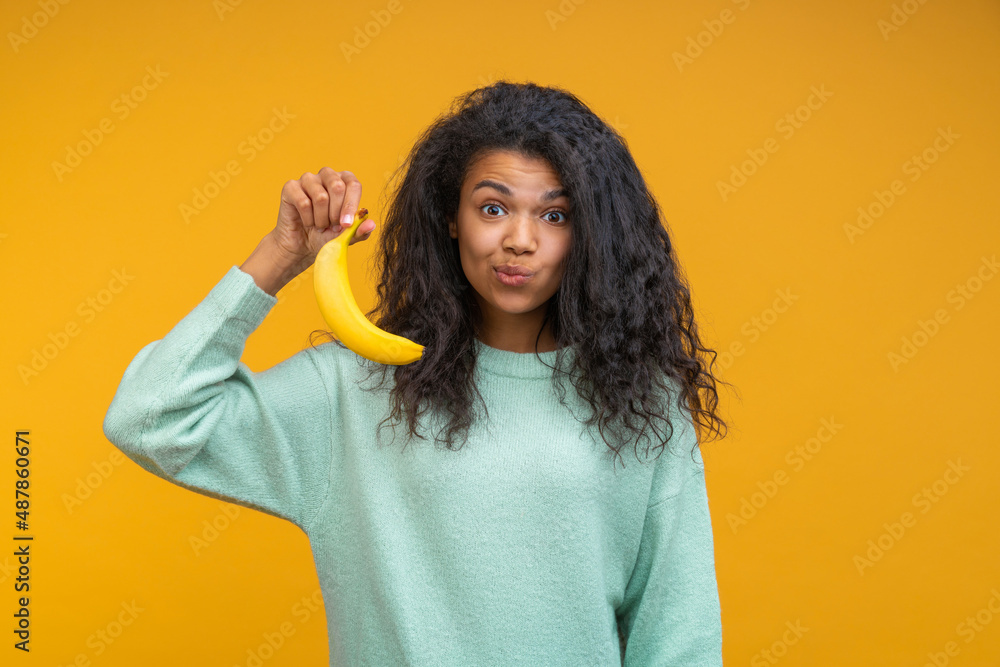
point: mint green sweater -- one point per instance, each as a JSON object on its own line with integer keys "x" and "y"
{"x": 525, "y": 547}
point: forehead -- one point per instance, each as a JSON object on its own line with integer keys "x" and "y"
{"x": 509, "y": 171}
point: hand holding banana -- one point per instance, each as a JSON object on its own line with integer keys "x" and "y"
{"x": 312, "y": 213}
{"x": 341, "y": 312}
{"x": 311, "y": 225}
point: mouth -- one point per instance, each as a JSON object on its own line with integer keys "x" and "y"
{"x": 511, "y": 280}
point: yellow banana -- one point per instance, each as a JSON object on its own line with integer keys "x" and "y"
{"x": 341, "y": 311}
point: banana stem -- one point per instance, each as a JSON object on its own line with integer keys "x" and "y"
{"x": 359, "y": 218}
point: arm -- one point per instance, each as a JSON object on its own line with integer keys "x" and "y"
{"x": 188, "y": 411}
{"x": 268, "y": 271}
{"x": 670, "y": 614}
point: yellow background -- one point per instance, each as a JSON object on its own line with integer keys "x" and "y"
{"x": 794, "y": 561}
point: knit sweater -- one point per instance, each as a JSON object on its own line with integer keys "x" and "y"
{"x": 524, "y": 547}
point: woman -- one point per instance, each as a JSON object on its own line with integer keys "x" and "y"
{"x": 520, "y": 540}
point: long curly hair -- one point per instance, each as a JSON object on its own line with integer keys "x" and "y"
{"x": 623, "y": 303}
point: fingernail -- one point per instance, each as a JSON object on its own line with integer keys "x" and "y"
{"x": 348, "y": 219}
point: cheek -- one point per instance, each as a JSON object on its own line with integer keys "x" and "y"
{"x": 479, "y": 248}
{"x": 557, "y": 277}
{"x": 561, "y": 256}
{"x": 473, "y": 260}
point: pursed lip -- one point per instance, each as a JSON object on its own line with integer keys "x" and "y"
{"x": 513, "y": 270}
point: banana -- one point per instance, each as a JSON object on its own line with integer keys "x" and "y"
{"x": 341, "y": 311}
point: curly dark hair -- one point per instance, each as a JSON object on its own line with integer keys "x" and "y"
{"x": 623, "y": 303}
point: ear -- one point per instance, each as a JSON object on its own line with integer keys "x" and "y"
{"x": 452, "y": 228}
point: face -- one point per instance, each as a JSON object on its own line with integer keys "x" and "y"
{"x": 513, "y": 211}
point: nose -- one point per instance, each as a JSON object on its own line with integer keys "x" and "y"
{"x": 520, "y": 233}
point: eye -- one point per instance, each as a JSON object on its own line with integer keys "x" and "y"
{"x": 564, "y": 216}
{"x": 490, "y": 205}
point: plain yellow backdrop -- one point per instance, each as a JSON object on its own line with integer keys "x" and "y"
{"x": 828, "y": 173}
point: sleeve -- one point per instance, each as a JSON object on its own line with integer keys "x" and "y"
{"x": 190, "y": 412}
{"x": 670, "y": 614}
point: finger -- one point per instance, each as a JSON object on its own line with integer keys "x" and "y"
{"x": 352, "y": 197}
{"x": 293, "y": 196}
{"x": 319, "y": 199}
{"x": 335, "y": 188}
{"x": 328, "y": 182}
{"x": 364, "y": 231}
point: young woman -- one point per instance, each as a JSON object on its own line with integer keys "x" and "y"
{"x": 524, "y": 250}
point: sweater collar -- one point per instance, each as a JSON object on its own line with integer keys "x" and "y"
{"x": 519, "y": 364}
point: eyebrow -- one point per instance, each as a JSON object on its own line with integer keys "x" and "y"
{"x": 503, "y": 189}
